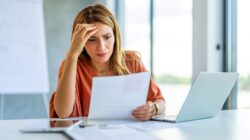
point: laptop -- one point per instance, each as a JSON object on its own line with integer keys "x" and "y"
{"x": 206, "y": 97}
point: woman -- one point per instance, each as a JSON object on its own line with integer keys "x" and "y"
{"x": 96, "y": 51}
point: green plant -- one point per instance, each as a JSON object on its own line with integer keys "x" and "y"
{"x": 171, "y": 79}
{"x": 244, "y": 83}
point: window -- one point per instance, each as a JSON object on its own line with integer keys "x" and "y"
{"x": 173, "y": 49}
{"x": 243, "y": 44}
{"x": 137, "y": 28}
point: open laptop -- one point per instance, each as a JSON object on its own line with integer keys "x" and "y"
{"x": 206, "y": 97}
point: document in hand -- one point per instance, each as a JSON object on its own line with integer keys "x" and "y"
{"x": 115, "y": 97}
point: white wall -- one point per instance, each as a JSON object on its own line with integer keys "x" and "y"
{"x": 58, "y": 16}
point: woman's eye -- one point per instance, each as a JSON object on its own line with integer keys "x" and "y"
{"x": 91, "y": 40}
{"x": 107, "y": 37}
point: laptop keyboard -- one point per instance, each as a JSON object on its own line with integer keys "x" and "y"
{"x": 165, "y": 118}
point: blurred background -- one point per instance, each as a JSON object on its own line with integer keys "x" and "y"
{"x": 176, "y": 40}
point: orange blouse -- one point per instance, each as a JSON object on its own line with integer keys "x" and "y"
{"x": 83, "y": 85}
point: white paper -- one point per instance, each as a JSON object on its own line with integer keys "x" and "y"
{"x": 151, "y": 125}
{"x": 108, "y": 133}
{"x": 115, "y": 97}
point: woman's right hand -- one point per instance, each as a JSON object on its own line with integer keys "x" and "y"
{"x": 79, "y": 38}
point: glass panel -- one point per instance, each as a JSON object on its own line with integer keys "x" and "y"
{"x": 243, "y": 53}
{"x": 173, "y": 50}
{"x": 137, "y": 28}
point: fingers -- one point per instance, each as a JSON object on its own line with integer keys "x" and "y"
{"x": 80, "y": 36}
{"x": 83, "y": 32}
{"x": 81, "y": 26}
{"x": 84, "y": 28}
{"x": 90, "y": 33}
{"x": 142, "y": 115}
{"x": 144, "y": 112}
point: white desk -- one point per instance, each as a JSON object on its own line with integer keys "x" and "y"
{"x": 228, "y": 125}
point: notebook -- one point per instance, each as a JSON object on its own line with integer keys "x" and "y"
{"x": 205, "y": 98}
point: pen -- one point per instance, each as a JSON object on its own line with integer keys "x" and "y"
{"x": 100, "y": 126}
{"x": 82, "y": 125}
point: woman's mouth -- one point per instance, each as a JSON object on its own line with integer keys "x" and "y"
{"x": 101, "y": 54}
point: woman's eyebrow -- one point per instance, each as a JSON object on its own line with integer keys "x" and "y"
{"x": 93, "y": 37}
{"x": 106, "y": 34}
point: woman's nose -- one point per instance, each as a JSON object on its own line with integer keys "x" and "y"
{"x": 101, "y": 44}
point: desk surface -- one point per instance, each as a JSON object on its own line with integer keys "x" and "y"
{"x": 227, "y": 125}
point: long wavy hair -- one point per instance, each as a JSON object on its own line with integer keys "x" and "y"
{"x": 99, "y": 13}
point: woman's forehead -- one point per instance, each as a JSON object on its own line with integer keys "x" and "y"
{"x": 102, "y": 29}
{"x": 102, "y": 26}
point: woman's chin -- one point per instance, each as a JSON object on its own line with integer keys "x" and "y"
{"x": 103, "y": 60}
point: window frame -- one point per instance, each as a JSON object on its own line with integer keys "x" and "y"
{"x": 230, "y": 48}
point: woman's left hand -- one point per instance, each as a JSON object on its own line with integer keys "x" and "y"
{"x": 144, "y": 112}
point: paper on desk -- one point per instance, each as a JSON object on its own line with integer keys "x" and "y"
{"x": 115, "y": 97}
{"x": 108, "y": 133}
{"x": 151, "y": 125}
{"x": 138, "y": 125}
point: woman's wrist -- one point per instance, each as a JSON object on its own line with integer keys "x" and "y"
{"x": 71, "y": 56}
{"x": 156, "y": 108}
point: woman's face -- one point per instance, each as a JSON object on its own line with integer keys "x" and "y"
{"x": 100, "y": 46}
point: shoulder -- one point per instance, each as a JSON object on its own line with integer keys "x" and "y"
{"x": 134, "y": 62}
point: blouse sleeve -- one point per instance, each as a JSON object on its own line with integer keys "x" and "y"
{"x": 154, "y": 92}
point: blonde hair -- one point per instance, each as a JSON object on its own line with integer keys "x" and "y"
{"x": 99, "y": 13}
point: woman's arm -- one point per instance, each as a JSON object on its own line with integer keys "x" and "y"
{"x": 65, "y": 93}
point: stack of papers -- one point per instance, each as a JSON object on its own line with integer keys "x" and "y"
{"x": 107, "y": 132}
